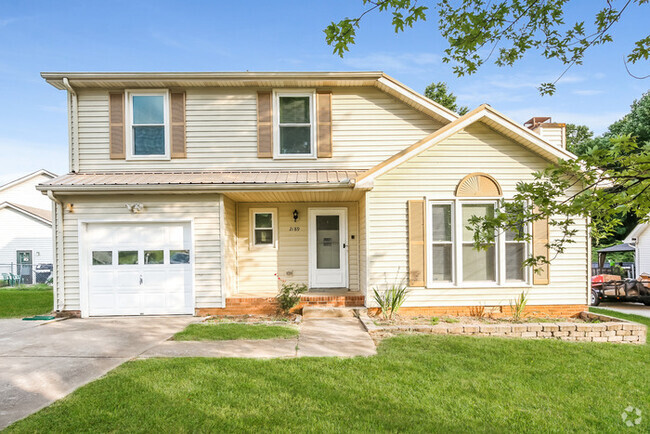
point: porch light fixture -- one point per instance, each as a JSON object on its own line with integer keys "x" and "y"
{"x": 295, "y": 215}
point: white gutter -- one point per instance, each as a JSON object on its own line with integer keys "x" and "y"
{"x": 57, "y": 225}
{"x": 73, "y": 125}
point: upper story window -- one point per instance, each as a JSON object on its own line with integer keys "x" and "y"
{"x": 147, "y": 119}
{"x": 294, "y": 127}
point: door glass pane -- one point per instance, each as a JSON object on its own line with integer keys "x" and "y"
{"x": 441, "y": 222}
{"x": 149, "y": 140}
{"x": 148, "y": 109}
{"x": 263, "y": 220}
{"x": 294, "y": 110}
{"x": 179, "y": 256}
{"x": 295, "y": 140}
{"x": 263, "y": 236}
{"x": 154, "y": 257}
{"x": 328, "y": 249}
{"x": 103, "y": 258}
{"x": 478, "y": 265}
{"x": 127, "y": 257}
{"x": 479, "y": 210}
{"x": 514, "y": 260}
{"x": 441, "y": 262}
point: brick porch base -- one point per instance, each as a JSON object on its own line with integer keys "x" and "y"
{"x": 268, "y": 305}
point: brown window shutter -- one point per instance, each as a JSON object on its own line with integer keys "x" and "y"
{"x": 540, "y": 248}
{"x": 116, "y": 129}
{"x": 324, "y": 123}
{"x": 264, "y": 124}
{"x": 417, "y": 246}
{"x": 178, "y": 144}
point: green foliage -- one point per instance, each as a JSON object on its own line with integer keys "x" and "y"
{"x": 232, "y": 331}
{"x": 439, "y": 93}
{"x": 435, "y": 320}
{"x": 502, "y": 31}
{"x": 518, "y": 306}
{"x": 626, "y": 316}
{"x": 578, "y": 138}
{"x": 289, "y": 294}
{"x": 391, "y": 299}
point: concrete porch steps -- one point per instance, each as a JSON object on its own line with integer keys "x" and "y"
{"x": 331, "y": 312}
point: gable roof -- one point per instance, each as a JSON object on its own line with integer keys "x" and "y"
{"x": 37, "y": 213}
{"x": 27, "y": 177}
{"x": 636, "y": 233}
{"x": 377, "y": 79}
{"x": 483, "y": 113}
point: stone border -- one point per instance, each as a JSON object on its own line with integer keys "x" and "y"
{"x": 610, "y": 329}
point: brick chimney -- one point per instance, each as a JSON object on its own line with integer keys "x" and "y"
{"x": 552, "y": 132}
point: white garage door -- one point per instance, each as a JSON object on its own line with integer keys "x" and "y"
{"x": 139, "y": 269}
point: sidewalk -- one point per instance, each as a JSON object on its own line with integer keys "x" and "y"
{"x": 327, "y": 337}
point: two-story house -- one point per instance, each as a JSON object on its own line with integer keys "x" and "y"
{"x": 189, "y": 193}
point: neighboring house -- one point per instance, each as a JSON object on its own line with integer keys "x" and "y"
{"x": 25, "y": 226}
{"x": 639, "y": 238}
{"x": 189, "y": 192}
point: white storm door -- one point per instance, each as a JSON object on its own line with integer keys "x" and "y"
{"x": 328, "y": 248}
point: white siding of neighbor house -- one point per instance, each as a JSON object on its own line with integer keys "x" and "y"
{"x": 25, "y": 193}
{"x": 21, "y": 232}
{"x": 203, "y": 209}
{"x": 642, "y": 257}
{"x": 368, "y": 126}
{"x": 435, "y": 173}
{"x": 257, "y": 266}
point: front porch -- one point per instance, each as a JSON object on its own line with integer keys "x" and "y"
{"x": 304, "y": 237}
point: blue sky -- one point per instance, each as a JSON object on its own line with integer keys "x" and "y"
{"x": 268, "y": 35}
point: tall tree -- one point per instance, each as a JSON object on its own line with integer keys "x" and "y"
{"x": 578, "y": 138}
{"x": 439, "y": 93}
{"x": 503, "y": 31}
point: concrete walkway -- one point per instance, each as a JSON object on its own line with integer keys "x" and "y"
{"x": 326, "y": 337}
{"x": 40, "y": 363}
{"x": 631, "y": 308}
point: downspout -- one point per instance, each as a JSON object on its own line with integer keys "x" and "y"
{"x": 73, "y": 125}
{"x": 58, "y": 243}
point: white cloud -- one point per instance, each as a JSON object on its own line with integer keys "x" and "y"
{"x": 407, "y": 63}
{"x": 588, "y": 92}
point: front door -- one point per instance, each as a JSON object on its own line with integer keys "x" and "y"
{"x": 328, "y": 248}
{"x": 24, "y": 262}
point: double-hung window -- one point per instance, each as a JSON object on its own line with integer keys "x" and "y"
{"x": 263, "y": 227}
{"x": 294, "y": 125}
{"x": 454, "y": 260}
{"x": 148, "y": 124}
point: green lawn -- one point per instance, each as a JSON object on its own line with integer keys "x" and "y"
{"x": 636, "y": 318}
{"x": 25, "y": 301}
{"x": 230, "y": 331}
{"x": 415, "y": 384}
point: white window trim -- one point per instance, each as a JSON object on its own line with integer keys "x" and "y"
{"x": 274, "y": 227}
{"x": 128, "y": 115}
{"x": 276, "y": 124}
{"x": 457, "y": 262}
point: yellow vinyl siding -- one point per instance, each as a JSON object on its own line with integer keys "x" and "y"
{"x": 435, "y": 174}
{"x": 204, "y": 209}
{"x": 230, "y": 245}
{"x": 257, "y": 266}
{"x": 368, "y": 126}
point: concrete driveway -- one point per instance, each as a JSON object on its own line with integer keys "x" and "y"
{"x": 40, "y": 363}
{"x": 631, "y": 308}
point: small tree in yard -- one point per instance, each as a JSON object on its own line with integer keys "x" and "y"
{"x": 289, "y": 294}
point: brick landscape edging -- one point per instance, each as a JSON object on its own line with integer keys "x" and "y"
{"x": 610, "y": 329}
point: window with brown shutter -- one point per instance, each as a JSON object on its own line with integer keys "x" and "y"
{"x": 178, "y": 141}
{"x": 264, "y": 124}
{"x": 540, "y": 248}
{"x": 116, "y": 128}
{"x": 324, "y": 119}
{"x": 416, "y": 243}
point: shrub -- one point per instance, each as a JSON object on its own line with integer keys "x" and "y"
{"x": 289, "y": 294}
{"x": 392, "y": 299}
{"x": 435, "y": 320}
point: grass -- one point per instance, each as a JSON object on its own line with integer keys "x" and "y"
{"x": 415, "y": 384}
{"x": 221, "y": 332}
{"x": 628, "y": 316}
{"x": 22, "y": 301}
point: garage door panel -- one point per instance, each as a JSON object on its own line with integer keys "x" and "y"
{"x": 137, "y": 289}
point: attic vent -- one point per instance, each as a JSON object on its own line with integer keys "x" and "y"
{"x": 478, "y": 185}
